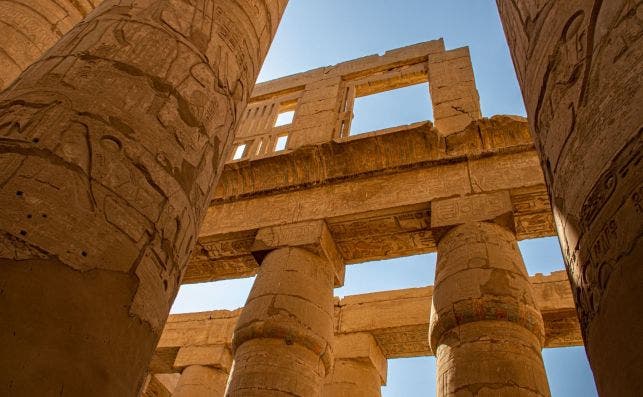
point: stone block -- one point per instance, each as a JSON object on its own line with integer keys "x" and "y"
{"x": 476, "y": 207}
{"x": 311, "y": 235}
{"x": 216, "y": 356}
{"x": 363, "y": 347}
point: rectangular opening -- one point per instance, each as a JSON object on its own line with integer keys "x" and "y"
{"x": 215, "y": 295}
{"x": 542, "y": 255}
{"x": 389, "y": 274}
{"x": 392, "y": 108}
{"x": 239, "y": 151}
{"x": 285, "y": 118}
{"x": 280, "y": 144}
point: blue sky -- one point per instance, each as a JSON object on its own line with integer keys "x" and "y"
{"x": 316, "y": 33}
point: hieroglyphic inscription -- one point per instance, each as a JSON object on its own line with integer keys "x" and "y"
{"x": 477, "y": 207}
{"x": 112, "y": 142}
{"x": 580, "y": 70}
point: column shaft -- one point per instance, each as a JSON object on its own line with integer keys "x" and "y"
{"x": 201, "y": 381}
{"x": 28, "y": 28}
{"x": 282, "y": 339}
{"x": 485, "y": 329}
{"x": 110, "y": 146}
{"x": 353, "y": 378}
{"x": 579, "y": 66}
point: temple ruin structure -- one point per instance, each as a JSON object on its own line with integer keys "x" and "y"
{"x": 463, "y": 186}
{"x": 137, "y": 154}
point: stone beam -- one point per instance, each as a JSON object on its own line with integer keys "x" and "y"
{"x": 368, "y": 65}
{"x": 366, "y": 188}
{"x": 398, "y": 320}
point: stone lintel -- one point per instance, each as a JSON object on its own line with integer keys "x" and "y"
{"x": 313, "y": 236}
{"x": 398, "y": 320}
{"x": 481, "y": 207}
{"x": 405, "y": 56}
{"x": 216, "y": 356}
{"x": 362, "y": 347}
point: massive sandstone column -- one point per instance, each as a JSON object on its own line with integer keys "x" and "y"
{"x": 485, "y": 329}
{"x": 109, "y": 148}
{"x": 580, "y": 66}
{"x": 282, "y": 341}
{"x": 359, "y": 370}
{"x": 28, "y": 28}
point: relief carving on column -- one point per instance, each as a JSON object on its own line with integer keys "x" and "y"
{"x": 115, "y": 137}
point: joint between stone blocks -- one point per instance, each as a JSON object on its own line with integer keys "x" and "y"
{"x": 313, "y": 236}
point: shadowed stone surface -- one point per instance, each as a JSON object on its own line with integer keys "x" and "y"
{"x": 580, "y": 67}
{"x": 110, "y": 146}
{"x": 28, "y": 28}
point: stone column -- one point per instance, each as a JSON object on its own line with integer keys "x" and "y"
{"x": 485, "y": 329}
{"x": 579, "y": 66}
{"x": 360, "y": 367}
{"x": 31, "y": 27}
{"x": 204, "y": 371}
{"x": 110, "y": 146}
{"x": 282, "y": 342}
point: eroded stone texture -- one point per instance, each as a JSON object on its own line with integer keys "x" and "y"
{"x": 282, "y": 342}
{"x": 579, "y": 64}
{"x": 486, "y": 330}
{"x": 110, "y": 146}
{"x": 31, "y": 27}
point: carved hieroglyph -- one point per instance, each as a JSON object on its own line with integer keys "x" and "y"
{"x": 580, "y": 68}
{"x": 109, "y": 148}
{"x": 28, "y": 28}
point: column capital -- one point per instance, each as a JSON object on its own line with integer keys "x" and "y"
{"x": 493, "y": 207}
{"x": 361, "y": 346}
{"x": 215, "y": 356}
{"x": 313, "y": 236}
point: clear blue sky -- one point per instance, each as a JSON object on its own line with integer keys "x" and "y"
{"x": 316, "y": 33}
